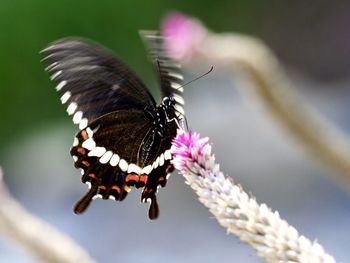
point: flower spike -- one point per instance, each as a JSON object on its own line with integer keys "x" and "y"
{"x": 272, "y": 237}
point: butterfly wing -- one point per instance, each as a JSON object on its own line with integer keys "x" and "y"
{"x": 118, "y": 145}
{"x": 119, "y": 150}
{"x": 93, "y": 82}
{"x": 169, "y": 72}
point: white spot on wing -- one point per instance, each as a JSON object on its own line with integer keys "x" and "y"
{"x": 65, "y": 97}
{"x": 175, "y": 75}
{"x": 167, "y": 155}
{"x": 179, "y": 109}
{"x": 106, "y": 157}
{"x": 161, "y": 159}
{"x": 111, "y": 197}
{"x": 133, "y": 168}
{"x": 61, "y": 85}
{"x": 147, "y": 170}
{"x": 89, "y": 144}
{"x": 175, "y": 85}
{"x": 156, "y": 163}
{"x": 50, "y": 67}
{"x": 114, "y": 160}
{"x": 75, "y": 158}
{"x": 88, "y": 184}
{"x": 179, "y": 99}
{"x": 82, "y": 171}
{"x": 83, "y": 123}
{"x": 97, "y": 196}
{"x": 83, "y": 68}
{"x": 71, "y": 108}
{"x": 56, "y": 75}
{"x": 123, "y": 165}
{"x": 77, "y": 117}
{"x": 171, "y": 65}
{"x": 48, "y": 48}
{"x": 89, "y": 132}
{"x": 75, "y": 141}
{"x": 151, "y": 34}
{"x": 97, "y": 151}
{"x": 115, "y": 87}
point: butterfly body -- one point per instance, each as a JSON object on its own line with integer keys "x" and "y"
{"x": 125, "y": 137}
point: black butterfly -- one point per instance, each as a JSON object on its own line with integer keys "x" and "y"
{"x": 124, "y": 136}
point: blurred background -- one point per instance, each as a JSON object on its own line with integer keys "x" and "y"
{"x": 312, "y": 39}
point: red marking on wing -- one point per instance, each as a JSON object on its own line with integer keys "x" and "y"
{"x": 170, "y": 168}
{"x": 84, "y": 135}
{"x": 81, "y": 150}
{"x": 132, "y": 178}
{"x": 127, "y": 188}
{"x": 115, "y": 187}
{"x": 143, "y": 178}
{"x": 87, "y": 164}
{"x": 161, "y": 179}
{"x": 92, "y": 176}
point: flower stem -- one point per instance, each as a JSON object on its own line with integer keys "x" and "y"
{"x": 41, "y": 240}
{"x": 191, "y": 43}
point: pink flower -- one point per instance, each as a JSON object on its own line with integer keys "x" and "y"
{"x": 187, "y": 147}
{"x": 182, "y": 34}
{"x": 272, "y": 237}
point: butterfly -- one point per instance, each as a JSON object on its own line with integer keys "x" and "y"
{"x": 124, "y": 137}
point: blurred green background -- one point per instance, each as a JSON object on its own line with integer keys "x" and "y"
{"x": 312, "y": 39}
{"x": 27, "y": 98}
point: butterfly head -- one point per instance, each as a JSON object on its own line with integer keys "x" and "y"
{"x": 168, "y": 102}
{"x": 168, "y": 106}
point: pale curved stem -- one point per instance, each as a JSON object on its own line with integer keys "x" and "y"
{"x": 273, "y": 89}
{"x": 36, "y": 236}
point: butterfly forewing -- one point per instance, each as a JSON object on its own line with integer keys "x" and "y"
{"x": 169, "y": 72}
{"x": 93, "y": 82}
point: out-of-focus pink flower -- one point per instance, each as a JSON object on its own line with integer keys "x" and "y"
{"x": 182, "y": 34}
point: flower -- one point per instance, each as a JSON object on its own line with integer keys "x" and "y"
{"x": 272, "y": 237}
{"x": 181, "y": 34}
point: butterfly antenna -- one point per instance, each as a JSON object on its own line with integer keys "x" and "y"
{"x": 185, "y": 123}
{"x": 201, "y": 76}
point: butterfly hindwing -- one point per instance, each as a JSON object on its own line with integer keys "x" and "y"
{"x": 112, "y": 156}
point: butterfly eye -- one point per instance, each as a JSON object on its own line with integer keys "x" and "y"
{"x": 168, "y": 101}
